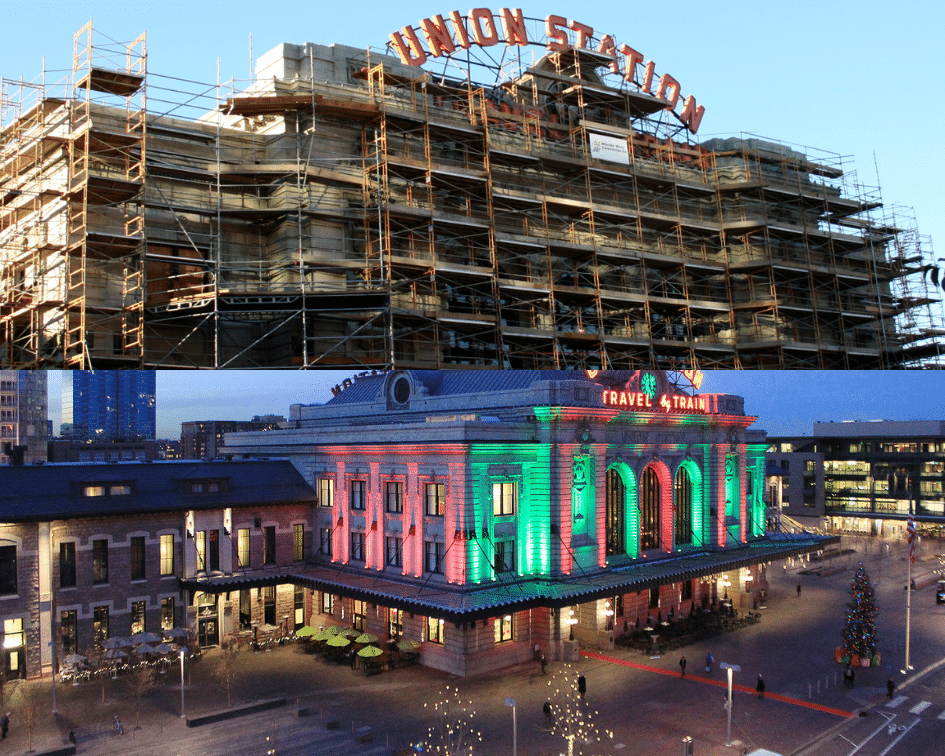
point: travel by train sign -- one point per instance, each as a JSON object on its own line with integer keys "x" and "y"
{"x": 436, "y": 36}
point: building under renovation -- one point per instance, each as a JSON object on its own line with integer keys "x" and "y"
{"x": 350, "y": 207}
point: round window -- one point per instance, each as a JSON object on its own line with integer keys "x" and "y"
{"x": 401, "y": 390}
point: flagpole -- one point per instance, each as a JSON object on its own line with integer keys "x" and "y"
{"x": 908, "y": 613}
{"x": 911, "y": 536}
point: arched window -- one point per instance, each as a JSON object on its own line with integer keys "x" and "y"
{"x": 649, "y": 510}
{"x": 683, "y": 501}
{"x": 616, "y": 496}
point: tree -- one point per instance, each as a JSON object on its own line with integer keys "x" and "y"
{"x": 140, "y": 681}
{"x": 859, "y": 634}
{"x": 570, "y": 717}
{"x": 452, "y": 733}
{"x": 28, "y": 707}
{"x": 228, "y": 669}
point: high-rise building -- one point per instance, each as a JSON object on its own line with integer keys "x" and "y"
{"x": 24, "y": 412}
{"x": 106, "y": 405}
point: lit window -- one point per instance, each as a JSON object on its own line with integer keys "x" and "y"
{"x": 243, "y": 556}
{"x": 435, "y": 499}
{"x": 359, "y": 611}
{"x": 13, "y": 636}
{"x": 434, "y": 630}
{"x": 504, "y": 496}
{"x": 167, "y": 613}
{"x": 503, "y": 629}
{"x": 396, "y": 622}
{"x": 326, "y": 492}
{"x": 138, "y": 613}
{"x": 119, "y": 490}
{"x": 91, "y": 491}
{"x": 167, "y": 554}
{"x": 328, "y": 603}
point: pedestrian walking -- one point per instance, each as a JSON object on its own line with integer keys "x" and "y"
{"x": 549, "y": 717}
{"x": 709, "y": 659}
{"x": 4, "y": 725}
{"x": 544, "y": 665}
{"x": 760, "y": 687}
{"x": 890, "y": 687}
{"x": 848, "y": 677}
{"x": 798, "y": 590}
{"x": 582, "y": 685}
{"x": 682, "y": 666}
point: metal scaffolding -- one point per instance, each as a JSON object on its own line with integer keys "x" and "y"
{"x": 353, "y": 211}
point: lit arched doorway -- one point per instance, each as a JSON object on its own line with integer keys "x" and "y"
{"x": 649, "y": 510}
{"x": 682, "y": 515}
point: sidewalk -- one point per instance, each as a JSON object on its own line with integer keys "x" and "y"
{"x": 641, "y": 699}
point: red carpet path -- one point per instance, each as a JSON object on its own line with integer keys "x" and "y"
{"x": 717, "y": 683}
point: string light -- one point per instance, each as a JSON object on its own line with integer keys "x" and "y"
{"x": 452, "y": 733}
{"x": 571, "y": 719}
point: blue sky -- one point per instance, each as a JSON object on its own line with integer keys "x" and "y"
{"x": 862, "y": 78}
{"x": 786, "y": 402}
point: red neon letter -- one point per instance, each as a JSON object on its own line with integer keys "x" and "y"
{"x": 513, "y": 24}
{"x": 483, "y": 27}
{"x": 438, "y": 36}
{"x": 557, "y": 34}
{"x": 608, "y": 47}
{"x": 668, "y": 84}
{"x": 692, "y": 117}
{"x": 584, "y": 33}
{"x": 648, "y": 76}
{"x": 459, "y": 29}
{"x": 409, "y": 52}
{"x": 633, "y": 60}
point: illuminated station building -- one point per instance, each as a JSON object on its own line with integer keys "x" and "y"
{"x": 487, "y": 513}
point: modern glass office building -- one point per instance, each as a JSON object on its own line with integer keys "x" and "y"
{"x": 106, "y": 405}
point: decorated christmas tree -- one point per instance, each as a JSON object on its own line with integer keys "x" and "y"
{"x": 859, "y": 634}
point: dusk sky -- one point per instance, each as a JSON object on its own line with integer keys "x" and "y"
{"x": 786, "y": 402}
{"x": 856, "y": 78}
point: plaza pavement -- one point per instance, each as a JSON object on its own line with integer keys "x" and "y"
{"x": 641, "y": 700}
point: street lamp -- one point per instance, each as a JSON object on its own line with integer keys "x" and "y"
{"x": 511, "y": 702}
{"x": 182, "y": 652}
{"x": 52, "y": 645}
{"x": 728, "y": 701}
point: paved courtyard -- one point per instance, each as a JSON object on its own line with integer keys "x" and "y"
{"x": 640, "y": 699}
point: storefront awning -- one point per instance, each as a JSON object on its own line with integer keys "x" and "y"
{"x": 460, "y": 604}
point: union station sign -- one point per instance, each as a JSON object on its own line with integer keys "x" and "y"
{"x": 483, "y": 28}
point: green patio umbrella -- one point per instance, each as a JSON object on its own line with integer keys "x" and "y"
{"x": 326, "y": 633}
{"x": 408, "y": 644}
{"x": 369, "y": 651}
{"x": 366, "y": 638}
{"x": 338, "y": 640}
{"x": 305, "y": 632}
